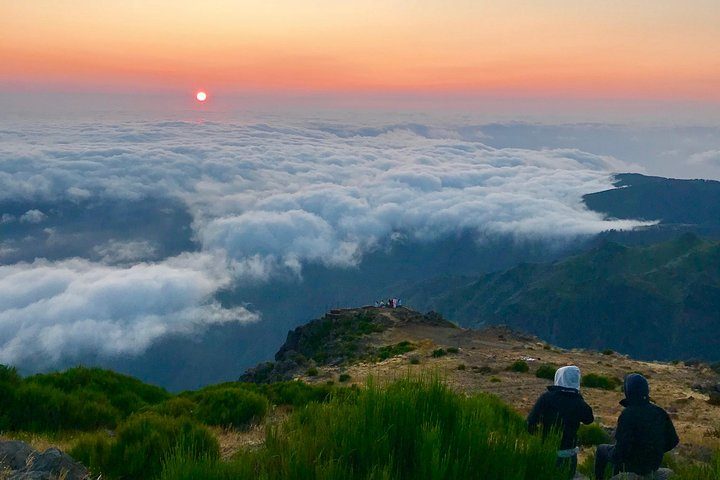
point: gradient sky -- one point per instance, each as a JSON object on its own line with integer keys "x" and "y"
{"x": 635, "y": 49}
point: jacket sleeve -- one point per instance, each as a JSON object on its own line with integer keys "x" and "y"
{"x": 671, "y": 436}
{"x": 536, "y": 414}
{"x": 623, "y": 438}
{"x": 586, "y": 414}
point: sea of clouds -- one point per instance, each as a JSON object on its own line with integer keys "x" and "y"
{"x": 265, "y": 199}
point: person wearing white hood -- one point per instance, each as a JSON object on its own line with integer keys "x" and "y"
{"x": 562, "y": 408}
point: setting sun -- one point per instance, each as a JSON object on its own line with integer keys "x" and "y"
{"x": 201, "y": 96}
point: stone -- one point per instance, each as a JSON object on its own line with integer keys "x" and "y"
{"x": 55, "y": 462}
{"x": 14, "y": 454}
{"x": 660, "y": 474}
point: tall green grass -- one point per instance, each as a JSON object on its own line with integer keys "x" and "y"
{"x": 411, "y": 429}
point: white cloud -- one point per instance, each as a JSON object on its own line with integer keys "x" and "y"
{"x": 264, "y": 199}
{"x": 709, "y": 158}
{"x": 50, "y": 311}
{"x": 115, "y": 251}
{"x": 33, "y": 216}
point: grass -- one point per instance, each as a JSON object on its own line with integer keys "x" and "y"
{"x": 593, "y": 434}
{"x": 520, "y": 366}
{"x": 418, "y": 429}
{"x": 142, "y": 444}
{"x": 546, "y": 371}
{"x": 389, "y": 351}
{"x": 593, "y": 380}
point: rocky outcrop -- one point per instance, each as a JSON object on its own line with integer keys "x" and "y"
{"x": 339, "y": 337}
{"x": 19, "y": 461}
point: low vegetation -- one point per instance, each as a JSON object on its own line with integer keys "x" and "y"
{"x": 593, "y": 434}
{"x": 389, "y": 351}
{"x": 593, "y": 380}
{"x": 547, "y": 371}
{"x": 420, "y": 429}
{"x": 520, "y": 366}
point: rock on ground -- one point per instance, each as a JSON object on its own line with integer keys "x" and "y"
{"x": 661, "y": 474}
{"x": 23, "y": 463}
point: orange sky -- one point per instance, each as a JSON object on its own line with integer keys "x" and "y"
{"x": 575, "y": 48}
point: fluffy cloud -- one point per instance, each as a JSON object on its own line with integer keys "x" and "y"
{"x": 50, "y": 311}
{"x": 33, "y": 216}
{"x": 709, "y": 158}
{"x": 263, "y": 199}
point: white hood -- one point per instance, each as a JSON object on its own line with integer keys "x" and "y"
{"x": 568, "y": 377}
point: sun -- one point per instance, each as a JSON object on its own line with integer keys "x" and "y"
{"x": 201, "y": 96}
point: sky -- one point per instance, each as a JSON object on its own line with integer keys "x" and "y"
{"x": 332, "y": 128}
{"x": 571, "y": 49}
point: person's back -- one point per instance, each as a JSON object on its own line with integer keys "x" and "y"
{"x": 644, "y": 433}
{"x": 563, "y": 408}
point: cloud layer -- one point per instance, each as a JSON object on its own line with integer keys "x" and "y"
{"x": 264, "y": 199}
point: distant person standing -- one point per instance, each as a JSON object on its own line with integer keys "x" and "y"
{"x": 563, "y": 408}
{"x": 644, "y": 433}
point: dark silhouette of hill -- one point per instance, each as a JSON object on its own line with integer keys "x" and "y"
{"x": 678, "y": 205}
{"x": 654, "y": 302}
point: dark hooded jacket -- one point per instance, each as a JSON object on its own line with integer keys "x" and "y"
{"x": 563, "y": 408}
{"x": 644, "y": 431}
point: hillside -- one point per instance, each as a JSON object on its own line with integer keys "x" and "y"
{"x": 654, "y": 302}
{"x": 480, "y": 360}
{"x": 678, "y": 205}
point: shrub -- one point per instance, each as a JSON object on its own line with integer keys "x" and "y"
{"x": 608, "y": 351}
{"x": 389, "y": 351}
{"x": 546, "y": 371}
{"x": 439, "y": 352}
{"x": 344, "y": 377}
{"x": 484, "y": 370}
{"x": 520, "y": 366}
{"x": 176, "y": 407}
{"x": 593, "y": 434}
{"x": 593, "y": 380}
{"x": 495, "y": 380}
{"x": 453, "y": 350}
{"x": 142, "y": 444}
{"x": 293, "y": 392}
{"x": 231, "y": 407}
{"x": 414, "y": 360}
{"x": 418, "y": 429}
{"x": 461, "y": 366}
{"x": 312, "y": 372}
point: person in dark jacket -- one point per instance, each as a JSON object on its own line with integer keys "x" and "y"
{"x": 644, "y": 433}
{"x": 562, "y": 408}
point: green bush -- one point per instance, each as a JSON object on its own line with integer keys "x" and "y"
{"x": 520, "y": 366}
{"x": 231, "y": 407}
{"x": 176, "y": 407}
{"x": 344, "y": 377}
{"x": 439, "y": 352}
{"x": 414, "y": 360}
{"x": 407, "y": 430}
{"x": 593, "y": 380}
{"x": 389, "y": 351}
{"x": 312, "y": 372}
{"x": 293, "y": 392}
{"x": 453, "y": 350}
{"x": 593, "y": 434}
{"x": 546, "y": 371}
{"x": 142, "y": 444}
{"x": 461, "y": 366}
{"x": 608, "y": 351}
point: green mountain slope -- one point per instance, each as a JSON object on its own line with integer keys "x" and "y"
{"x": 660, "y": 301}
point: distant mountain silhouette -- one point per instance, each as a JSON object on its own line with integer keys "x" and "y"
{"x": 678, "y": 205}
{"x": 654, "y": 302}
